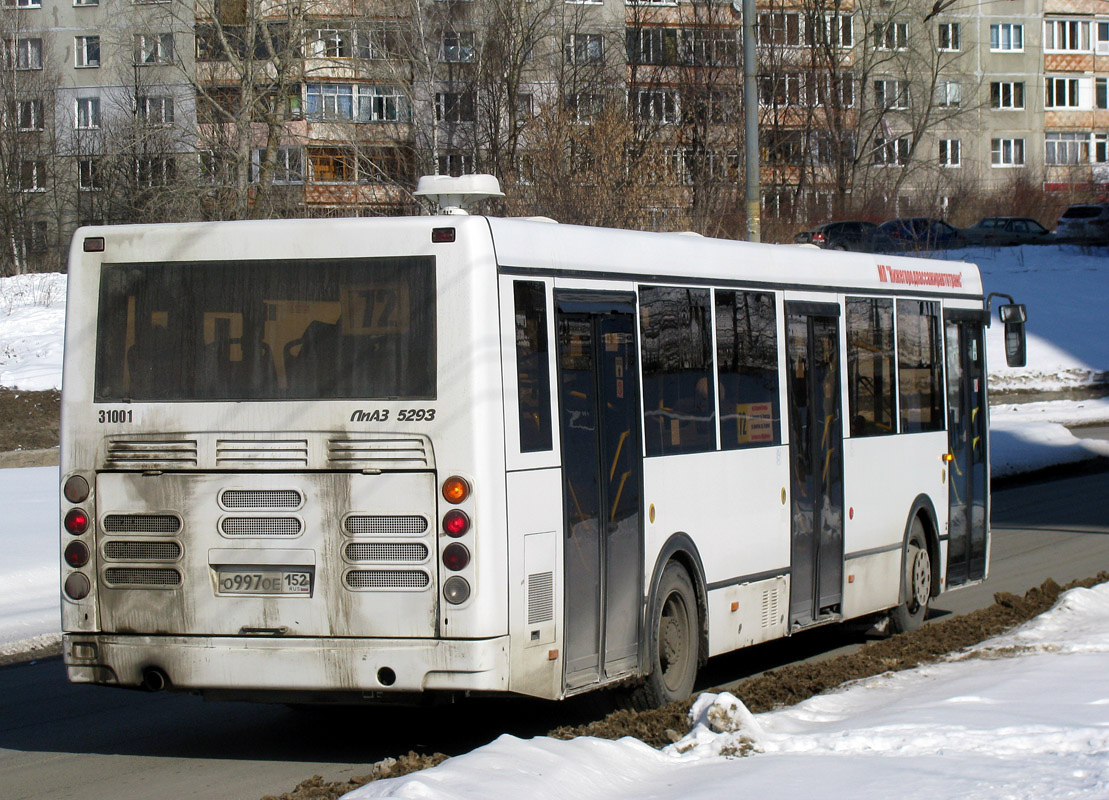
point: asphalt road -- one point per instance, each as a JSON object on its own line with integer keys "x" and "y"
{"x": 61, "y": 741}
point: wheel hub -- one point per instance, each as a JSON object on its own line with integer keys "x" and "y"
{"x": 921, "y": 578}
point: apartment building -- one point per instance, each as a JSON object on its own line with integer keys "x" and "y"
{"x": 119, "y": 110}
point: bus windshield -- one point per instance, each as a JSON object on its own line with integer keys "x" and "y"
{"x": 267, "y": 330}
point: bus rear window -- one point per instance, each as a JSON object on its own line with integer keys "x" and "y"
{"x": 267, "y": 330}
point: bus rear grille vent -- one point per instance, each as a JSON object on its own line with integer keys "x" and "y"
{"x": 260, "y": 526}
{"x": 285, "y": 452}
{"x": 414, "y": 552}
{"x": 540, "y": 597}
{"x": 769, "y": 607}
{"x": 262, "y": 499}
{"x": 408, "y": 452}
{"x": 144, "y": 454}
{"x": 365, "y": 525}
{"x": 142, "y": 551}
{"x": 137, "y": 578}
{"x": 387, "y": 579}
{"x": 142, "y": 523}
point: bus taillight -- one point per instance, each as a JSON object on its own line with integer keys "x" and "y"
{"x": 456, "y": 523}
{"x": 76, "y": 521}
{"x": 76, "y": 489}
{"x": 455, "y": 489}
{"x": 456, "y": 590}
{"x": 76, "y": 554}
{"x": 455, "y": 557}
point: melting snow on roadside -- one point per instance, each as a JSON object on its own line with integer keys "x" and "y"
{"x": 1025, "y": 715}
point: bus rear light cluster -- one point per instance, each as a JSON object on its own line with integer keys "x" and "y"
{"x": 76, "y": 489}
{"x": 77, "y": 586}
{"x": 456, "y": 523}
{"x": 455, "y": 489}
{"x": 76, "y": 521}
{"x": 456, "y": 590}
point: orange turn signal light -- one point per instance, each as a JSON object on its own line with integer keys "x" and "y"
{"x": 455, "y": 489}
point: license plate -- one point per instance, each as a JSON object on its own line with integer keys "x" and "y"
{"x": 265, "y": 581}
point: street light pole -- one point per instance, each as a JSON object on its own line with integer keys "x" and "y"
{"x": 751, "y": 122}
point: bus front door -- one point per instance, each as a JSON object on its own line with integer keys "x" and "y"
{"x": 816, "y": 462}
{"x": 601, "y": 478}
{"x": 966, "y": 432}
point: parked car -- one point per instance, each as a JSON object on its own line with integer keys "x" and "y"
{"x": 1007, "y": 231}
{"x": 857, "y": 235}
{"x": 1086, "y": 222}
{"x": 921, "y": 233}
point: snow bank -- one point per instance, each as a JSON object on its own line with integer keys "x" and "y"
{"x": 32, "y": 320}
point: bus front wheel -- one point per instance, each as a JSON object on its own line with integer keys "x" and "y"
{"x": 672, "y": 644}
{"x": 916, "y": 584}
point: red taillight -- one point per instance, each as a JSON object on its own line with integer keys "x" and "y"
{"x": 76, "y": 521}
{"x": 818, "y": 237}
{"x": 455, "y": 489}
{"x": 455, "y": 557}
{"x": 76, "y": 554}
{"x": 456, "y": 523}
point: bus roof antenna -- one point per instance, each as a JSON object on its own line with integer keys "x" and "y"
{"x": 455, "y": 196}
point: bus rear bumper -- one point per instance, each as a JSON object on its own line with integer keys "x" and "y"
{"x": 303, "y": 665}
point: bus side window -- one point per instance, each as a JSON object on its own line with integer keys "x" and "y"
{"x": 533, "y": 377}
{"x": 919, "y": 366}
{"x": 747, "y": 364}
{"x": 870, "y": 380}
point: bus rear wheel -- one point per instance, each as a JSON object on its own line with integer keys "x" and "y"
{"x": 916, "y": 584}
{"x": 672, "y": 645}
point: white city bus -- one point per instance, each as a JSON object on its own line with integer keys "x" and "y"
{"x": 365, "y": 459}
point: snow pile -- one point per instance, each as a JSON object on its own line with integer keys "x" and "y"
{"x": 29, "y": 572}
{"x": 32, "y": 319}
{"x": 1025, "y": 715}
{"x": 1030, "y": 436}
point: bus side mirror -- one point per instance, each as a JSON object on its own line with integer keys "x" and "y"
{"x": 1016, "y": 344}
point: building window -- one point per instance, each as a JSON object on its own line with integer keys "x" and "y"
{"x": 380, "y": 104}
{"x": 1007, "y": 94}
{"x": 779, "y": 28}
{"x": 1007, "y": 37}
{"x": 871, "y": 386}
{"x": 947, "y": 38}
{"x": 28, "y": 114}
{"x": 783, "y": 89}
{"x": 919, "y": 366}
{"x": 657, "y": 105}
{"x": 87, "y": 51}
{"x": 1066, "y": 35}
{"x": 948, "y": 94}
{"x": 950, "y": 153}
{"x": 454, "y": 107}
{"x": 80, "y": 3}
{"x": 1101, "y": 148}
{"x": 384, "y": 165}
{"x": 88, "y": 113}
{"x": 1007, "y": 152}
{"x": 830, "y": 88}
{"x": 1066, "y": 148}
{"x": 584, "y": 106}
{"x": 157, "y": 110}
{"x": 288, "y": 166}
{"x": 28, "y": 53}
{"x": 330, "y": 101}
{"x": 678, "y": 404}
{"x": 32, "y": 176}
{"x": 22, "y": 4}
{"x": 710, "y": 47}
{"x": 455, "y": 164}
{"x": 1061, "y": 93}
{"x": 459, "y": 47}
{"x": 783, "y": 146}
{"x": 88, "y": 175}
{"x": 584, "y": 48}
{"x": 331, "y": 165}
{"x": 156, "y": 171}
{"x": 1101, "y": 37}
{"x": 836, "y": 31}
{"x": 891, "y": 94}
{"x": 747, "y": 369}
{"x": 533, "y": 376}
{"x": 652, "y": 45}
{"x": 330, "y": 43}
{"x": 1101, "y": 92}
{"x": 153, "y": 48}
{"x": 890, "y": 35}
{"x": 892, "y": 152}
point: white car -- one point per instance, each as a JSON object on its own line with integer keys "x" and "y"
{"x": 1085, "y": 222}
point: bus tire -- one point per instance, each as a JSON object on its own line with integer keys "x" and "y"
{"x": 673, "y": 636}
{"x": 916, "y": 584}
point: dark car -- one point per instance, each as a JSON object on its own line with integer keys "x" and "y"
{"x": 855, "y": 235}
{"x": 1003, "y": 231}
{"x": 1084, "y": 222}
{"x": 921, "y": 233}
